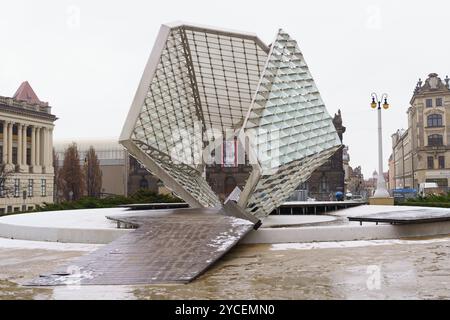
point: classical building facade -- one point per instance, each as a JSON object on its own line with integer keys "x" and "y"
{"x": 26, "y": 151}
{"x": 422, "y": 152}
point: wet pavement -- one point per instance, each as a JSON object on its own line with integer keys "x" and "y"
{"x": 168, "y": 246}
{"x": 337, "y": 270}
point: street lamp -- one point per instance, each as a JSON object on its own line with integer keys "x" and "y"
{"x": 381, "y": 191}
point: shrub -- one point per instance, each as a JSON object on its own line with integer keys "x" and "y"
{"x": 430, "y": 201}
{"x": 141, "y": 196}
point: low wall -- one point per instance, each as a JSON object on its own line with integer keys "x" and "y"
{"x": 66, "y": 235}
{"x": 346, "y": 233}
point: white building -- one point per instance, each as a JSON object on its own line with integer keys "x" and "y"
{"x": 26, "y": 140}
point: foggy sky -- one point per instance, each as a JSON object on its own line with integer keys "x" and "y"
{"x": 86, "y": 57}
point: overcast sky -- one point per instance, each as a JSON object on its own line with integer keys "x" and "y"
{"x": 86, "y": 57}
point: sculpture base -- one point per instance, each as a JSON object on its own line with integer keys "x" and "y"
{"x": 386, "y": 201}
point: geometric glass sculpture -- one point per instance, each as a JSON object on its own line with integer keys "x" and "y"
{"x": 291, "y": 133}
{"x": 203, "y": 84}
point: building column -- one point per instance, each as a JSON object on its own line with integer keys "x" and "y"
{"x": 49, "y": 143}
{"x": 50, "y": 136}
{"x": 38, "y": 147}
{"x": 33, "y": 146}
{"x": 24, "y": 144}
{"x": 48, "y": 151}
{"x": 22, "y": 148}
{"x": 10, "y": 142}
{"x": 5, "y": 142}
{"x": 44, "y": 148}
{"x": 19, "y": 144}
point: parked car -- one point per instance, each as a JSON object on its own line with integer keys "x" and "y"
{"x": 358, "y": 198}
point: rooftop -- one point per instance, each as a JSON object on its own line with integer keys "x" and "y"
{"x": 25, "y": 100}
{"x": 26, "y": 93}
{"x": 433, "y": 84}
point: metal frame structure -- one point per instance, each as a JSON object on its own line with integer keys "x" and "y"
{"x": 201, "y": 84}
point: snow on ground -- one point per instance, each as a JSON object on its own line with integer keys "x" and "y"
{"x": 280, "y": 220}
{"x": 45, "y": 245}
{"x": 352, "y": 244}
{"x": 82, "y": 219}
{"x": 367, "y": 209}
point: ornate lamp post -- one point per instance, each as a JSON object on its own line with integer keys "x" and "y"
{"x": 381, "y": 191}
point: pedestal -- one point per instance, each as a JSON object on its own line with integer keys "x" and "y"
{"x": 36, "y": 169}
{"x": 10, "y": 167}
{"x": 48, "y": 170}
{"x": 23, "y": 168}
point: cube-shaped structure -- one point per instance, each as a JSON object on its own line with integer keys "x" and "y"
{"x": 202, "y": 84}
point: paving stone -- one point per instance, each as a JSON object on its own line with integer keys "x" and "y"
{"x": 168, "y": 246}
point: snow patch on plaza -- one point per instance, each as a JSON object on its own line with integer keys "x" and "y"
{"x": 351, "y": 244}
{"x": 45, "y": 245}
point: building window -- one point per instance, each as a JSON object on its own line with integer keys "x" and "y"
{"x": 440, "y": 182}
{"x": 229, "y": 153}
{"x": 143, "y": 183}
{"x": 435, "y": 140}
{"x": 429, "y": 103}
{"x": 434, "y": 120}
{"x": 430, "y": 161}
{"x": 2, "y": 188}
{"x": 441, "y": 162}
{"x": 29, "y": 156}
{"x": 30, "y": 188}
{"x": 43, "y": 188}
{"x": 16, "y": 188}
{"x": 14, "y": 155}
{"x": 438, "y": 102}
{"x": 324, "y": 184}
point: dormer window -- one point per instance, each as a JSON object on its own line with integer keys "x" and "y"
{"x": 438, "y": 102}
{"x": 429, "y": 103}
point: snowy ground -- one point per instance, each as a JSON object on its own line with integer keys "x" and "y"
{"x": 82, "y": 219}
{"x": 47, "y": 245}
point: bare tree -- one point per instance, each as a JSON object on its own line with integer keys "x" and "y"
{"x": 6, "y": 181}
{"x": 71, "y": 174}
{"x": 93, "y": 173}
